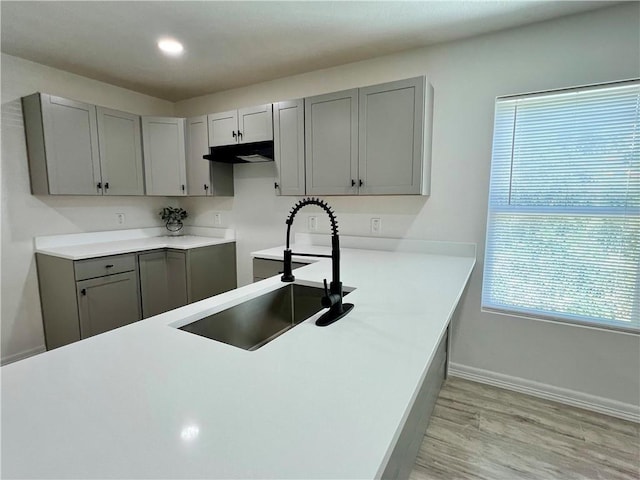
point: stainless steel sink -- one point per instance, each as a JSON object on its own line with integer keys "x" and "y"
{"x": 256, "y": 322}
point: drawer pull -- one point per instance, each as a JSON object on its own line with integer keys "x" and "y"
{"x": 108, "y": 266}
{"x": 83, "y": 291}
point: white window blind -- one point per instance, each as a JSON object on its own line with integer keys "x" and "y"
{"x": 563, "y": 227}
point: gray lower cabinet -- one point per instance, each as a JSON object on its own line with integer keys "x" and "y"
{"x": 163, "y": 283}
{"x": 109, "y": 302}
{"x": 408, "y": 444}
{"x": 210, "y": 271}
{"x": 265, "y": 268}
{"x": 82, "y": 298}
{"x": 85, "y": 297}
{"x": 172, "y": 278}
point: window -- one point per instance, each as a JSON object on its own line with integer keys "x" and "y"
{"x": 563, "y": 227}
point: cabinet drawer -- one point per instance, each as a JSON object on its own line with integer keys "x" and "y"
{"x": 268, "y": 268}
{"x": 99, "y": 267}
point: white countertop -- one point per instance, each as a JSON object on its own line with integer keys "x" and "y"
{"x": 100, "y": 244}
{"x": 151, "y": 401}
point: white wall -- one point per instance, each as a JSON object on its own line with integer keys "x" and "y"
{"x": 25, "y": 216}
{"x": 583, "y": 365}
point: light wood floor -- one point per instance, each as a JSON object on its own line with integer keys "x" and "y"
{"x": 482, "y": 432}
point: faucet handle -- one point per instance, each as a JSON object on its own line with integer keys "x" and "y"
{"x": 329, "y": 299}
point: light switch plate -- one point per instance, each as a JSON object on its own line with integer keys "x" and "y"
{"x": 376, "y": 226}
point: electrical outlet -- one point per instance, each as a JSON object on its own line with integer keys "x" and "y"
{"x": 120, "y": 218}
{"x": 217, "y": 219}
{"x": 376, "y": 226}
{"x": 313, "y": 224}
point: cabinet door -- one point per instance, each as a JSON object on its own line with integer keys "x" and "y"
{"x": 106, "y": 303}
{"x": 71, "y": 145}
{"x": 255, "y": 124}
{"x": 176, "y": 279}
{"x": 163, "y": 281}
{"x": 211, "y": 270}
{"x": 391, "y": 125}
{"x": 288, "y": 136}
{"x": 331, "y": 143}
{"x": 198, "y": 169}
{"x": 153, "y": 283}
{"x": 58, "y": 298}
{"x": 164, "y": 155}
{"x": 120, "y": 152}
{"x": 205, "y": 178}
{"x": 223, "y": 128}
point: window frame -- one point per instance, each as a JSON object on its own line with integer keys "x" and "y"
{"x": 608, "y": 211}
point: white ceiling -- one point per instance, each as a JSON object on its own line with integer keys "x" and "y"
{"x": 234, "y": 43}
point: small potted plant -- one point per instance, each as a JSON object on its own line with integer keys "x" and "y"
{"x": 173, "y": 219}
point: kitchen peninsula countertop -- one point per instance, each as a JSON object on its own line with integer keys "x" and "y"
{"x": 100, "y": 244}
{"x": 150, "y": 401}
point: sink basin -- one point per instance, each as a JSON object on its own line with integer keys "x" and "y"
{"x": 254, "y": 323}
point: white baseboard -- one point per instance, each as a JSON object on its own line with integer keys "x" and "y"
{"x": 594, "y": 403}
{"x": 21, "y": 355}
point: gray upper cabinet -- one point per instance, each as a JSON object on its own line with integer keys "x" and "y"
{"x": 255, "y": 124}
{"x": 198, "y": 169}
{"x": 62, "y": 143}
{"x": 80, "y": 149}
{"x": 246, "y": 125}
{"x": 331, "y": 143}
{"x": 373, "y": 140}
{"x": 394, "y": 138}
{"x": 120, "y": 147}
{"x": 204, "y": 178}
{"x": 288, "y": 140}
{"x": 223, "y": 128}
{"x": 164, "y": 155}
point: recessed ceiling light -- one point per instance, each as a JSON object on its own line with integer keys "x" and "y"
{"x": 170, "y": 46}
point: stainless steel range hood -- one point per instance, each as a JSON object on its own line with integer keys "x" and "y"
{"x": 242, "y": 153}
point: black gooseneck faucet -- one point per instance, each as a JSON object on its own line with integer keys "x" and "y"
{"x": 333, "y": 295}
